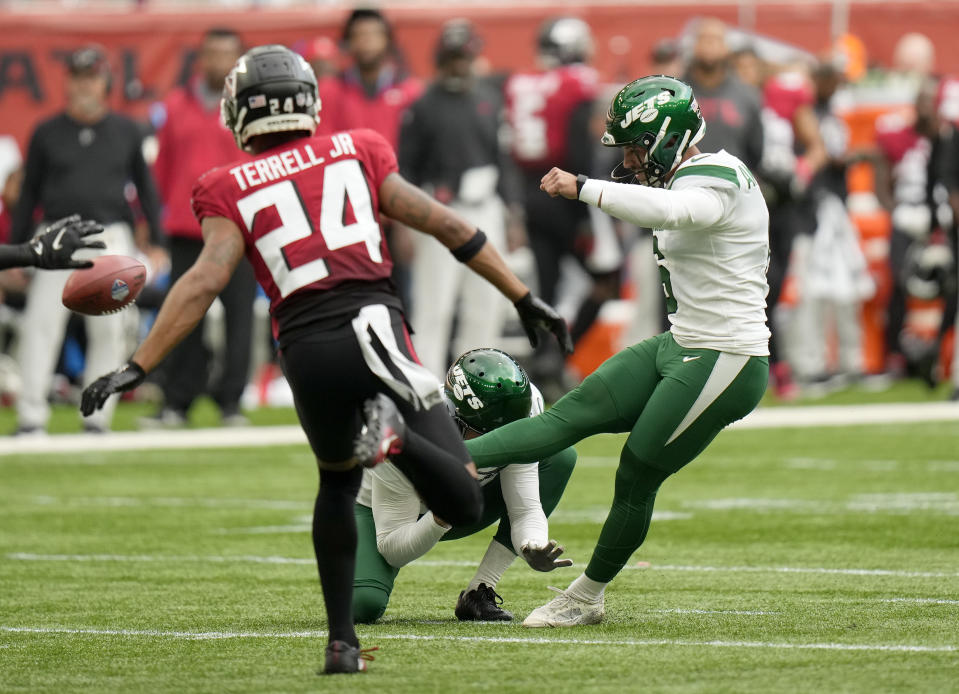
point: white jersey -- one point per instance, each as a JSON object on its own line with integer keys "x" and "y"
{"x": 711, "y": 230}
{"x": 405, "y": 528}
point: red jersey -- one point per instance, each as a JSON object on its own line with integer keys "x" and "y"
{"x": 192, "y": 140}
{"x": 908, "y": 152}
{"x": 538, "y": 109}
{"x": 344, "y": 104}
{"x": 309, "y": 213}
{"x": 786, "y": 92}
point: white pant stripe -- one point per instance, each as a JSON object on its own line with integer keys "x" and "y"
{"x": 725, "y": 371}
{"x": 422, "y": 389}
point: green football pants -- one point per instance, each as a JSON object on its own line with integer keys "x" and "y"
{"x": 672, "y": 400}
{"x": 373, "y": 581}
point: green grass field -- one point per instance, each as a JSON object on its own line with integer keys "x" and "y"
{"x": 789, "y": 560}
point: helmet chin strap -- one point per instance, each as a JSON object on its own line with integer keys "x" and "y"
{"x": 621, "y": 174}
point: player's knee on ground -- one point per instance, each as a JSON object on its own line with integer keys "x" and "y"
{"x": 369, "y": 604}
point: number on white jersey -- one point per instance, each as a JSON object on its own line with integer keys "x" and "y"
{"x": 342, "y": 182}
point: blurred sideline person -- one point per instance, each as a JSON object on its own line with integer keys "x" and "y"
{"x": 911, "y": 180}
{"x": 305, "y": 212}
{"x": 375, "y": 89}
{"x": 674, "y": 392}
{"x": 373, "y": 92}
{"x": 449, "y": 146}
{"x": 831, "y": 268}
{"x": 731, "y": 108}
{"x": 192, "y": 140}
{"x": 549, "y": 113}
{"x": 793, "y": 153}
{"x": 394, "y": 528}
{"x": 78, "y": 161}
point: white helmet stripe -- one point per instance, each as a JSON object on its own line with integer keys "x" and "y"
{"x": 681, "y": 150}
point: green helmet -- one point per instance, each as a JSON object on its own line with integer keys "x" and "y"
{"x": 486, "y": 389}
{"x": 661, "y": 115}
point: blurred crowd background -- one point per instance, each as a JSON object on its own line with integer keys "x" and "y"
{"x": 111, "y": 109}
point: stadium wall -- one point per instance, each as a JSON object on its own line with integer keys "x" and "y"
{"x": 151, "y": 49}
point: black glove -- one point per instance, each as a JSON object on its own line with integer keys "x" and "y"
{"x": 536, "y": 313}
{"x": 127, "y": 377}
{"x": 54, "y": 248}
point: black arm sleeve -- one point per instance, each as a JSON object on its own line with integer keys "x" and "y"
{"x": 15, "y": 256}
{"x": 34, "y": 170}
{"x": 146, "y": 191}
{"x": 579, "y": 142}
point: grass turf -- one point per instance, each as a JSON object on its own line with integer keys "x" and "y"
{"x": 203, "y": 560}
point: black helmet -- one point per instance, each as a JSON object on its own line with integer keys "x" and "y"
{"x": 458, "y": 39}
{"x": 271, "y": 89}
{"x": 565, "y": 40}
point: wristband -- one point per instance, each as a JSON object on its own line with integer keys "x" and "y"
{"x": 580, "y": 182}
{"x": 468, "y": 250}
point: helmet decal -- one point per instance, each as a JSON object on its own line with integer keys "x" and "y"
{"x": 661, "y": 115}
{"x": 485, "y": 389}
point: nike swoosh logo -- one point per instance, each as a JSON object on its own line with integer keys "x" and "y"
{"x": 686, "y": 359}
{"x": 56, "y": 241}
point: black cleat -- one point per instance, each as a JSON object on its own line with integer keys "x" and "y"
{"x": 383, "y": 434}
{"x": 341, "y": 658}
{"x": 481, "y": 605}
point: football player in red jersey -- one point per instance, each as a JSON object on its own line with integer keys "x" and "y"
{"x": 305, "y": 211}
{"x": 549, "y": 113}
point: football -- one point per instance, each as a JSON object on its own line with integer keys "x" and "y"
{"x": 113, "y": 282}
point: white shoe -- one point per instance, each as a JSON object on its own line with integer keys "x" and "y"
{"x": 566, "y": 611}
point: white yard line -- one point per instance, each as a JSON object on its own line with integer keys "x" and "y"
{"x": 374, "y": 636}
{"x": 245, "y": 558}
{"x": 922, "y": 601}
{"x": 255, "y": 437}
{"x": 680, "y": 610}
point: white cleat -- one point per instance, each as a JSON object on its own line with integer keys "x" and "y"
{"x": 566, "y": 611}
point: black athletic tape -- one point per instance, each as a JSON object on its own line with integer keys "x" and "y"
{"x": 468, "y": 250}
{"x": 580, "y": 182}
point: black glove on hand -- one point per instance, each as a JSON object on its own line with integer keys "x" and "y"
{"x": 127, "y": 377}
{"x": 536, "y": 313}
{"x": 54, "y": 248}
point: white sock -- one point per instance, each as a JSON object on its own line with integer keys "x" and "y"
{"x": 495, "y": 562}
{"x": 586, "y": 589}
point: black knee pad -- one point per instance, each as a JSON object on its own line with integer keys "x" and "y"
{"x": 465, "y": 507}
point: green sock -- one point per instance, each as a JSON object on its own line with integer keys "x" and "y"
{"x": 628, "y": 520}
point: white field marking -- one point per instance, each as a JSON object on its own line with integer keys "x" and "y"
{"x": 945, "y": 503}
{"x": 174, "y": 501}
{"x": 215, "y": 635}
{"x": 598, "y": 515}
{"x": 753, "y": 504}
{"x": 943, "y": 465}
{"x": 922, "y": 601}
{"x": 251, "y": 437}
{"x": 811, "y": 463}
{"x": 265, "y": 530}
{"x": 583, "y": 516}
{"x": 246, "y": 558}
{"x": 680, "y": 610}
